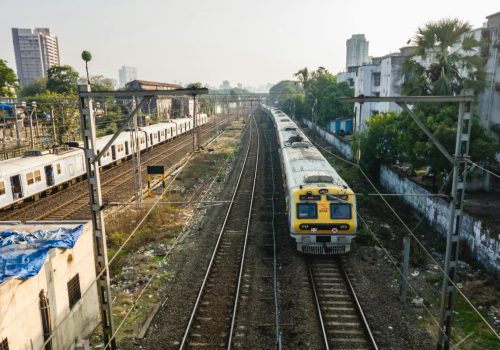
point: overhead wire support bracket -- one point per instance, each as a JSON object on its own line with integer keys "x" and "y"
{"x": 89, "y": 137}
{"x": 459, "y": 160}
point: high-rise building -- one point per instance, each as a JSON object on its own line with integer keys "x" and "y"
{"x": 127, "y": 74}
{"x": 357, "y": 51}
{"x": 36, "y": 51}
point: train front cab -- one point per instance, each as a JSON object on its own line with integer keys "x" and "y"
{"x": 323, "y": 219}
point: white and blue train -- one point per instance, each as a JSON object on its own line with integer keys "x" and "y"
{"x": 41, "y": 172}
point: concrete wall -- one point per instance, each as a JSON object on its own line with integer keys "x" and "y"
{"x": 340, "y": 145}
{"x": 482, "y": 243}
{"x": 21, "y": 321}
{"x": 480, "y": 240}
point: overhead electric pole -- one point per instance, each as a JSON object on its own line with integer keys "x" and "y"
{"x": 448, "y": 292}
{"x": 88, "y": 128}
{"x": 459, "y": 163}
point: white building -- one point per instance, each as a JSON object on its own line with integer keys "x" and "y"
{"x": 356, "y": 51}
{"x": 489, "y": 100}
{"x": 127, "y": 74}
{"x": 380, "y": 78}
{"x": 60, "y": 300}
{"x": 36, "y": 51}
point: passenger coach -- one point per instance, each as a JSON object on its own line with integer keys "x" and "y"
{"x": 39, "y": 172}
{"x": 321, "y": 207}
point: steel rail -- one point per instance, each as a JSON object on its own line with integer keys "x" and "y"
{"x": 359, "y": 309}
{"x": 275, "y": 263}
{"x": 362, "y": 321}
{"x": 171, "y": 149}
{"x": 240, "y": 275}
{"x": 318, "y": 308}
{"x": 216, "y": 248}
{"x": 110, "y": 183}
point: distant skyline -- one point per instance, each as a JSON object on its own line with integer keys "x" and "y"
{"x": 211, "y": 41}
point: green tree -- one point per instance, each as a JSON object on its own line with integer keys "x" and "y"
{"x": 37, "y": 86}
{"x": 87, "y": 57}
{"x": 330, "y": 106}
{"x": 284, "y": 90}
{"x": 381, "y": 142}
{"x": 62, "y": 79}
{"x": 304, "y": 78}
{"x": 454, "y": 61}
{"x": 101, "y": 83}
{"x": 196, "y": 85}
{"x": 8, "y": 80}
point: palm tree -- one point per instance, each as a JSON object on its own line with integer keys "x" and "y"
{"x": 304, "y": 78}
{"x": 87, "y": 56}
{"x": 445, "y": 60}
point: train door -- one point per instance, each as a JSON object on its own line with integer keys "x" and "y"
{"x": 159, "y": 139}
{"x": 126, "y": 148}
{"x": 113, "y": 152}
{"x": 49, "y": 175}
{"x": 151, "y": 138}
{"x": 15, "y": 184}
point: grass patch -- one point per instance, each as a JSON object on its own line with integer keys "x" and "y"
{"x": 366, "y": 237}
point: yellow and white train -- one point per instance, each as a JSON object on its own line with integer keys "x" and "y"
{"x": 321, "y": 207}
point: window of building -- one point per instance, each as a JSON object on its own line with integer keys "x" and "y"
{"x": 376, "y": 79}
{"x": 74, "y": 292}
{"x": 340, "y": 211}
{"x": 38, "y": 176}
{"x": 29, "y": 178}
{"x": 2, "y": 188}
{"x": 4, "y": 345}
{"x": 58, "y": 168}
{"x": 307, "y": 211}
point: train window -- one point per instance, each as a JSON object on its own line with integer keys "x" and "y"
{"x": 58, "y": 168}
{"x": 307, "y": 211}
{"x": 29, "y": 178}
{"x": 340, "y": 211}
{"x": 2, "y": 188}
{"x": 38, "y": 176}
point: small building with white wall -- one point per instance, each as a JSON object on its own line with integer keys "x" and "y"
{"x": 380, "y": 78}
{"x": 59, "y": 299}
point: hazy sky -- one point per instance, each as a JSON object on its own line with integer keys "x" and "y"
{"x": 249, "y": 42}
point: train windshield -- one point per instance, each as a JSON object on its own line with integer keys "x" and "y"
{"x": 307, "y": 211}
{"x": 340, "y": 211}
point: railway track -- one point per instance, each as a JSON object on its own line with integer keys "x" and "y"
{"x": 341, "y": 318}
{"x": 71, "y": 202}
{"x": 213, "y": 316}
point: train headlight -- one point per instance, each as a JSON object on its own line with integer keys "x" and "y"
{"x": 304, "y": 226}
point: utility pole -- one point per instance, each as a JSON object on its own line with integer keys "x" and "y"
{"x": 33, "y": 108}
{"x": 16, "y": 124}
{"x": 53, "y": 119}
{"x": 99, "y": 233}
{"x": 136, "y": 156}
{"x": 448, "y": 292}
{"x": 196, "y": 135}
{"x": 4, "y": 135}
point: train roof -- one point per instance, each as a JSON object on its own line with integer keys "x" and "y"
{"x": 17, "y": 165}
{"x": 303, "y": 162}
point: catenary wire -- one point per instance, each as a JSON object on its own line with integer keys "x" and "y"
{"x": 99, "y": 275}
{"x": 416, "y": 239}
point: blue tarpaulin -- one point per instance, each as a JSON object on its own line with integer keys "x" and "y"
{"x": 22, "y": 254}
